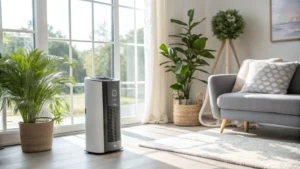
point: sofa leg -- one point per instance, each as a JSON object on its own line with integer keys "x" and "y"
{"x": 223, "y": 125}
{"x": 246, "y": 126}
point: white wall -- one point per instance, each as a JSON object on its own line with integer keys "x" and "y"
{"x": 254, "y": 43}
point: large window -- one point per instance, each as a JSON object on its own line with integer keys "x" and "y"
{"x": 16, "y": 31}
{"x": 101, "y": 37}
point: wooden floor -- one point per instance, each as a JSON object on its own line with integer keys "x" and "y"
{"x": 68, "y": 152}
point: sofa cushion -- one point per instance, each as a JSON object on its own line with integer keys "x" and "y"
{"x": 294, "y": 87}
{"x": 274, "y": 103}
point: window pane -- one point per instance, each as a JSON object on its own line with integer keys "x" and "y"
{"x": 66, "y": 96}
{"x": 17, "y": 14}
{"x": 141, "y": 99}
{"x": 105, "y": 1}
{"x": 82, "y": 57}
{"x": 103, "y": 60}
{"x": 140, "y": 4}
{"x": 60, "y": 49}
{"x": 141, "y": 63}
{"x": 127, "y": 100}
{"x": 78, "y": 104}
{"x": 127, "y": 63}
{"x": 126, "y": 25}
{"x": 129, "y": 3}
{"x": 102, "y": 22}
{"x": 13, "y": 41}
{"x": 81, "y": 20}
{"x": 12, "y": 119}
{"x": 140, "y": 24}
{"x": 58, "y": 20}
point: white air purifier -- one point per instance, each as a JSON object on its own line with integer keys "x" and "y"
{"x": 102, "y": 115}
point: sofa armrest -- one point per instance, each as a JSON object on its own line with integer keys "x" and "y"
{"x": 218, "y": 85}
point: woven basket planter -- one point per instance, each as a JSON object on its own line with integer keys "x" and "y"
{"x": 36, "y": 137}
{"x": 188, "y": 115}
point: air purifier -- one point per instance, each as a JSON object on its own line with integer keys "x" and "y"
{"x": 102, "y": 115}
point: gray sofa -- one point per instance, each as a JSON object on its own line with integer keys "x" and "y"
{"x": 254, "y": 107}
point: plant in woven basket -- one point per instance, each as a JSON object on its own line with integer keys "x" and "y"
{"x": 31, "y": 81}
{"x": 228, "y": 24}
{"x": 186, "y": 57}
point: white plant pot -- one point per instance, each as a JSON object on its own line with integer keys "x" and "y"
{"x": 188, "y": 101}
{"x": 183, "y": 102}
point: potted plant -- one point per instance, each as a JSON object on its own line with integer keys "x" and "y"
{"x": 184, "y": 59}
{"x": 30, "y": 83}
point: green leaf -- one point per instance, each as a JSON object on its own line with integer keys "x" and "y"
{"x": 178, "y": 68}
{"x": 204, "y": 81}
{"x": 176, "y": 86}
{"x": 164, "y": 63}
{"x": 178, "y": 22}
{"x": 207, "y": 55}
{"x": 200, "y": 43}
{"x": 178, "y": 44}
{"x": 201, "y": 70}
{"x": 202, "y": 62}
{"x": 193, "y": 25}
{"x": 175, "y": 36}
{"x": 178, "y": 49}
{"x": 191, "y": 15}
{"x": 164, "y": 48}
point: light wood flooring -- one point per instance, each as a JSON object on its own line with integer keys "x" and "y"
{"x": 68, "y": 152}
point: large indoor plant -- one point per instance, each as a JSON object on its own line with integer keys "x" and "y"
{"x": 30, "y": 83}
{"x": 184, "y": 59}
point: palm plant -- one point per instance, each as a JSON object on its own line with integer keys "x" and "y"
{"x": 193, "y": 51}
{"x": 31, "y": 81}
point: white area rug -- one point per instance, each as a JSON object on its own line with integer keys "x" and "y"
{"x": 236, "y": 148}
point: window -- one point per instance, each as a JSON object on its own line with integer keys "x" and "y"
{"x": 132, "y": 62}
{"x": 16, "y": 31}
{"x": 101, "y": 37}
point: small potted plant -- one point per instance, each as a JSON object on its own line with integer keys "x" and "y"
{"x": 30, "y": 82}
{"x": 184, "y": 59}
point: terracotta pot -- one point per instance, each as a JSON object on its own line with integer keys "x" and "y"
{"x": 36, "y": 137}
{"x": 186, "y": 115}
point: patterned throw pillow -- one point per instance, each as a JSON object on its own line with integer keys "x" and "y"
{"x": 272, "y": 78}
{"x": 243, "y": 72}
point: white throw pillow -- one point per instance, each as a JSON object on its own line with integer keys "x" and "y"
{"x": 271, "y": 78}
{"x": 243, "y": 72}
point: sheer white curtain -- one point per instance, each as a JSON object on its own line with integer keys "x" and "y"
{"x": 158, "y": 96}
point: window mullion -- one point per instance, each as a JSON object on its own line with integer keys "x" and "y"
{"x": 116, "y": 56}
{"x": 93, "y": 42}
{"x": 1, "y": 33}
{"x": 71, "y": 60}
{"x": 40, "y": 27}
{"x": 135, "y": 58}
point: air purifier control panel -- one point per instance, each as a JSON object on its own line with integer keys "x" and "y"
{"x": 113, "y": 94}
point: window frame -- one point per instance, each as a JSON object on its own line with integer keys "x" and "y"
{"x": 41, "y": 40}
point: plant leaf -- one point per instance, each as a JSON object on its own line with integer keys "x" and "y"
{"x": 191, "y": 15}
{"x": 178, "y": 49}
{"x": 201, "y": 70}
{"x": 204, "y": 81}
{"x": 176, "y": 86}
{"x": 164, "y": 63}
{"x": 200, "y": 43}
{"x": 164, "y": 48}
{"x": 207, "y": 55}
{"x": 178, "y": 22}
{"x": 178, "y": 68}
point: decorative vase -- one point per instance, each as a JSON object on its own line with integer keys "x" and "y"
{"x": 36, "y": 137}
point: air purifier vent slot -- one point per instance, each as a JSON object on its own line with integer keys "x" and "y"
{"x": 113, "y": 124}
